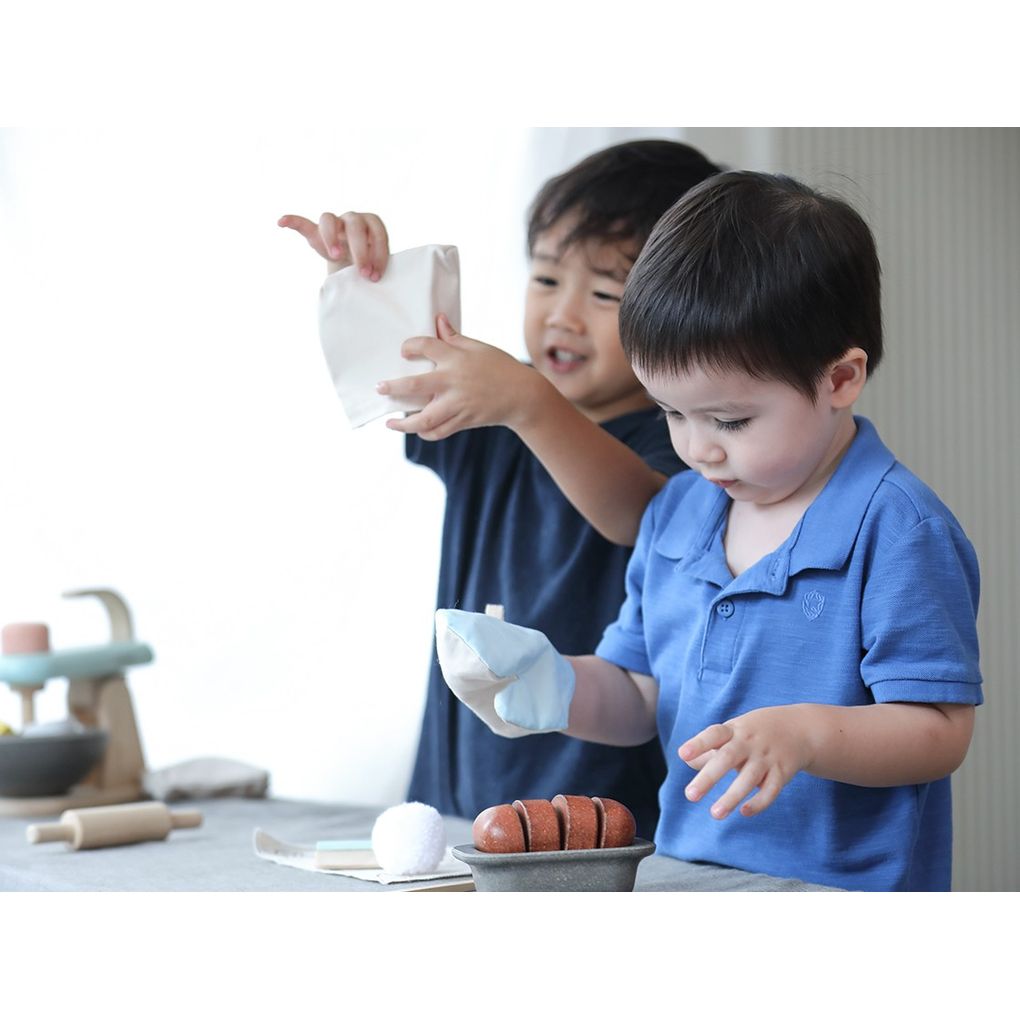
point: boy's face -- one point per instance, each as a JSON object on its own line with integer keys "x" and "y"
{"x": 761, "y": 440}
{"x": 571, "y": 324}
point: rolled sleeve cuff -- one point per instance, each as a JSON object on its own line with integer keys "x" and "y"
{"x": 952, "y": 692}
{"x": 624, "y": 651}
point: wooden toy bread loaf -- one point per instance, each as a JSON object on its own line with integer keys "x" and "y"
{"x": 565, "y": 823}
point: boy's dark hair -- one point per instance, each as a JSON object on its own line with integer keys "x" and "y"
{"x": 755, "y": 272}
{"x": 619, "y": 193}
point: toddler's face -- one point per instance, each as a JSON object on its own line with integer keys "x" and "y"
{"x": 571, "y": 324}
{"x": 759, "y": 439}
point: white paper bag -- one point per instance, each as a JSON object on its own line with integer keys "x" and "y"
{"x": 362, "y": 325}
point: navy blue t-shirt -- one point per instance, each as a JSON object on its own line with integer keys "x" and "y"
{"x": 511, "y": 538}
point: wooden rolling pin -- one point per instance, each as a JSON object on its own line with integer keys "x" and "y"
{"x": 85, "y": 828}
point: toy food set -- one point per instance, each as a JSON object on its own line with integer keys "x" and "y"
{"x": 568, "y": 844}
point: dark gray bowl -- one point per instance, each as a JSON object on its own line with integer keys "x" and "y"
{"x": 612, "y": 870}
{"x": 48, "y": 766}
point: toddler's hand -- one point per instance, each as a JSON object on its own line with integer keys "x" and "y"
{"x": 473, "y": 384}
{"x": 358, "y": 238}
{"x": 767, "y": 748}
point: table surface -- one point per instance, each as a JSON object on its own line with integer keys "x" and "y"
{"x": 219, "y": 856}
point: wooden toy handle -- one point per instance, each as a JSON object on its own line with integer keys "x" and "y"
{"x": 185, "y": 819}
{"x": 86, "y": 828}
{"x": 50, "y": 833}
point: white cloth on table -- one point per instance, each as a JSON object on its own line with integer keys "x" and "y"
{"x": 291, "y": 855}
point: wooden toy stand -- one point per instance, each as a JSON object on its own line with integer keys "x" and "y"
{"x": 104, "y": 702}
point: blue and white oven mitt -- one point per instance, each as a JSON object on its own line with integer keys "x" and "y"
{"x": 511, "y": 677}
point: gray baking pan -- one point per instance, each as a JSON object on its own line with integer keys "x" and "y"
{"x": 611, "y": 870}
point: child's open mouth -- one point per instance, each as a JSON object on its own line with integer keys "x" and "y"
{"x": 563, "y": 361}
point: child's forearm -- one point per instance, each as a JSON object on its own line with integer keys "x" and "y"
{"x": 610, "y": 705}
{"x": 606, "y": 481}
{"x": 892, "y": 744}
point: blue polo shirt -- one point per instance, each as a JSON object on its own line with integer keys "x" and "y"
{"x": 872, "y": 598}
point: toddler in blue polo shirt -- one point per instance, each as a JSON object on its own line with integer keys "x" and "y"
{"x": 799, "y": 627}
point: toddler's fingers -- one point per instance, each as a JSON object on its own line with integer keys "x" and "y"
{"x": 770, "y": 789}
{"x": 303, "y": 226}
{"x": 708, "y": 739}
{"x": 445, "y": 330}
{"x": 331, "y": 234}
{"x": 307, "y": 229}
{"x": 447, "y": 428}
{"x": 701, "y": 761}
{"x": 725, "y": 759}
{"x": 379, "y": 244}
{"x": 422, "y": 347}
{"x": 450, "y": 336}
{"x": 408, "y": 387}
{"x": 748, "y": 778}
{"x": 419, "y": 423}
{"x": 406, "y": 424}
{"x": 330, "y": 230}
{"x": 358, "y": 241}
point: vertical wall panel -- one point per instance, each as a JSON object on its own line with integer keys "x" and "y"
{"x": 945, "y": 207}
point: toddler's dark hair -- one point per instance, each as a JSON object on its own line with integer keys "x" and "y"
{"x": 618, "y": 194}
{"x": 755, "y": 272}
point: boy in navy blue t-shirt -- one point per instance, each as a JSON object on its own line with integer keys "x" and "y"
{"x": 800, "y": 621}
{"x": 543, "y": 509}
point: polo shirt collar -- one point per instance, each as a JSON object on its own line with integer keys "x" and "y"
{"x": 825, "y": 535}
{"x": 823, "y": 538}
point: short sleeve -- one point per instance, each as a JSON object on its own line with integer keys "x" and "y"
{"x": 418, "y": 451}
{"x": 448, "y": 457}
{"x": 645, "y": 432}
{"x": 919, "y": 618}
{"x": 623, "y": 642}
{"x": 659, "y": 455}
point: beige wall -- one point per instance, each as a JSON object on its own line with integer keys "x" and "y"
{"x": 945, "y": 207}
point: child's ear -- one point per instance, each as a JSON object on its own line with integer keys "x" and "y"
{"x": 846, "y": 377}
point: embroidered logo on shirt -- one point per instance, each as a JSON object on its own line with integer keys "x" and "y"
{"x": 813, "y": 603}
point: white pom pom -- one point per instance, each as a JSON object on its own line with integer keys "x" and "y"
{"x": 409, "y": 839}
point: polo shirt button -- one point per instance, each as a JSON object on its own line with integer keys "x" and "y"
{"x": 725, "y": 609}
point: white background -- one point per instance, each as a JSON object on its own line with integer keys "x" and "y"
{"x": 174, "y": 434}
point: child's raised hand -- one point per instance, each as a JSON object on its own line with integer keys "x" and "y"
{"x": 473, "y": 384}
{"x": 766, "y": 747}
{"x": 352, "y": 238}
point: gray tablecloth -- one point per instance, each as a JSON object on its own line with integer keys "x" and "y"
{"x": 219, "y": 856}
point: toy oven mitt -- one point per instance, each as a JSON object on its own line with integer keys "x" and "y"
{"x": 511, "y": 677}
{"x": 362, "y": 325}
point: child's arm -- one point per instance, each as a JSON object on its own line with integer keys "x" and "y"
{"x": 475, "y": 384}
{"x": 891, "y": 744}
{"x": 610, "y": 704}
{"x": 513, "y": 679}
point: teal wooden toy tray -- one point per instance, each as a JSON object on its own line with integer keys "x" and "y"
{"x": 34, "y": 668}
